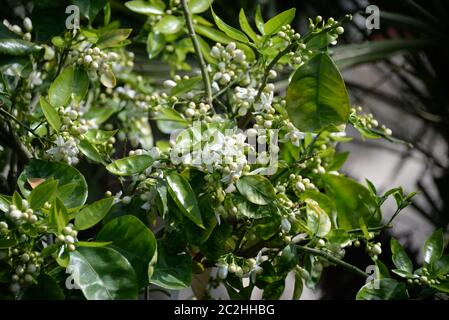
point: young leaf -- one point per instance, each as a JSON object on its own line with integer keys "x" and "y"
{"x": 90, "y": 151}
{"x": 256, "y": 189}
{"x": 400, "y": 257}
{"x": 168, "y": 25}
{"x": 113, "y": 37}
{"x": 144, "y": 7}
{"x": 198, "y": 6}
{"x": 275, "y": 24}
{"x": 58, "y": 217}
{"x": 155, "y": 44}
{"x": 133, "y": 240}
{"x": 97, "y": 136}
{"x": 50, "y": 114}
{"x": 433, "y": 248}
{"x": 130, "y": 165}
{"x": 93, "y": 213}
{"x": 244, "y": 24}
{"x": 185, "y": 86}
{"x": 213, "y": 34}
{"x": 103, "y": 274}
{"x": 259, "y": 20}
{"x": 184, "y": 197}
{"x": 42, "y": 193}
{"x": 317, "y": 96}
{"x": 228, "y": 30}
{"x": 383, "y": 289}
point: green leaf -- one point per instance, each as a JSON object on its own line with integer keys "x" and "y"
{"x": 103, "y": 274}
{"x": 155, "y": 44}
{"x": 68, "y": 177}
{"x": 46, "y": 288}
{"x": 297, "y": 289}
{"x": 97, "y": 136}
{"x": 244, "y": 24}
{"x": 198, "y": 6}
{"x": 108, "y": 79}
{"x": 400, "y": 257}
{"x": 5, "y": 202}
{"x": 172, "y": 271}
{"x": 250, "y": 210}
{"x": 259, "y": 20}
{"x": 381, "y": 270}
{"x": 90, "y": 151}
{"x": 113, "y": 37}
{"x": 93, "y": 213}
{"x": 133, "y": 240}
{"x": 433, "y": 248}
{"x": 228, "y": 30}
{"x": 317, "y": 96}
{"x": 58, "y": 216}
{"x": 383, "y": 289}
{"x": 318, "y": 221}
{"x": 7, "y": 243}
{"x": 95, "y": 244}
{"x": 130, "y": 165}
{"x": 275, "y": 24}
{"x": 44, "y": 192}
{"x": 50, "y": 114}
{"x": 90, "y": 8}
{"x": 185, "y": 85}
{"x": 353, "y": 201}
{"x": 71, "y": 81}
{"x": 338, "y": 161}
{"x": 17, "y": 47}
{"x": 441, "y": 266}
{"x": 256, "y": 189}
{"x": 168, "y": 25}
{"x": 325, "y": 203}
{"x": 169, "y": 120}
{"x": 213, "y": 34}
{"x": 144, "y": 7}
{"x": 184, "y": 197}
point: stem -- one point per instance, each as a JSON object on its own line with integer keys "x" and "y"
{"x": 199, "y": 55}
{"x": 335, "y": 260}
{"x": 6, "y": 113}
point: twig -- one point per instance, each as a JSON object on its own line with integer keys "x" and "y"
{"x": 335, "y": 260}
{"x": 198, "y": 53}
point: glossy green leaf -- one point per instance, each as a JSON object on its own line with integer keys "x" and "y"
{"x": 275, "y": 24}
{"x": 155, "y": 44}
{"x": 381, "y": 270}
{"x": 400, "y": 257}
{"x": 95, "y": 244}
{"x": 318, "y": 221}
{"x": 17, "y": 47}
{"x": 299, "y": 285}
{"x": 325, "y": 203}
{"x": 133, "y": 240}
{"x": 228, "y": 30}
{"x": 168, "y": 25}
{"x": 5, "y": 202}
{"x": 244, "y": 24}
{"x": 353, "y": 201}
{"x": 93, "y": 213}
{"x": 184, "y": 197}
{"x": 50, "y": 114}
{"x": 256, "y": 189}
{"x": 441, "y": 266}
{"x": 169, "y": 120}
{"x": 97, "y": 136}
{"x": 71, "y": 81}
{"x": 7, "y": 243}
{"x": 172, "y": 271}
{"x": 130, "y": 165}
{"x": 317, "y": 96}
{"x": 90, "y": 8}
{"x": 144, "y": 7}
{"x": 42, "y": 193}
{"x": 90, "y": 151}
{"x": 69, "y": 179}
{"x": 433, "y": 247}
{"x": 383, "y": 289}
{"x": 112, "y": 38}
{"x": 198, "y": 6}
{"x": 103, "y": 274}
{"x": 212, "y": 34}
{"x": 108, "y": 79}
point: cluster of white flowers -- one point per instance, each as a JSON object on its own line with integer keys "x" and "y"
{"x": 95, "y": 60}
{"x": 26, "y": 214}
{"x": 65, "y": 150}
{"x": 240, "y": 267}
{"x": 367, "y": 120}
{"x": 232, "y": 66}
{"x": 27, "y": 267}
{"x": 25, "y": 33}
{"x": 198, "y": 111}
{"x": 300, "y": 184}
{"x": 68, "y": 238}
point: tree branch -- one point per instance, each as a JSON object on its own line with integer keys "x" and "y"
{"x": 198, "y": 53}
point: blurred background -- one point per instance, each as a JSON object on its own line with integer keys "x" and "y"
{"x": 394, "y": 58}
